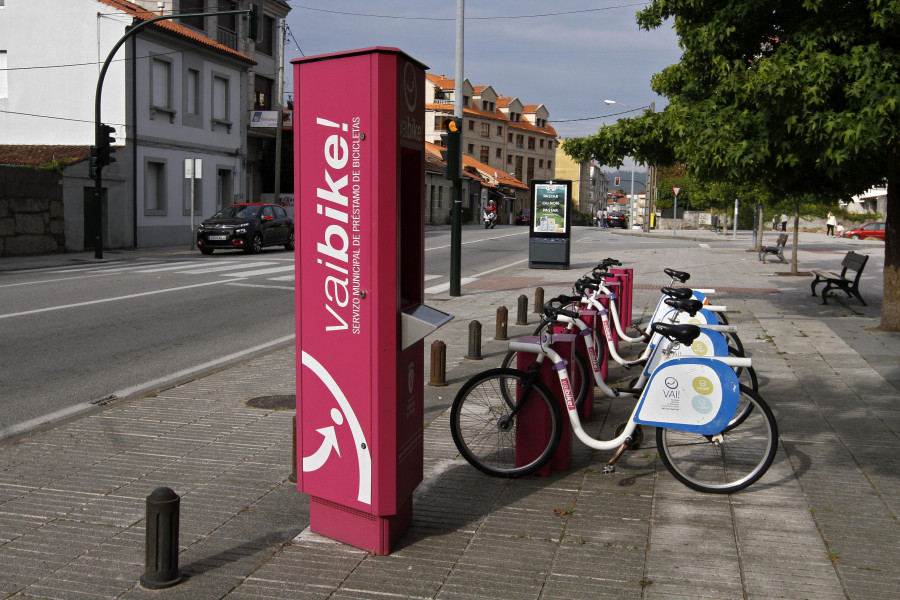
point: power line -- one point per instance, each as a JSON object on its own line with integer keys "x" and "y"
{"x": 86, "y": 64}
{"x": 624, "y": 112}
{"x": 24, "y": 114}
{"x": 535, "y": 16}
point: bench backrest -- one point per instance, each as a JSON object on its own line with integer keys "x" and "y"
{"x": 782, "y": 240}
{"x": 854, "y": 262}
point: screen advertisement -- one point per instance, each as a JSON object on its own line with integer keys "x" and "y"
{"x": 550, "y": 202}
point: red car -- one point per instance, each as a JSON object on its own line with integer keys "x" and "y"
{"x": 873, "y": 231}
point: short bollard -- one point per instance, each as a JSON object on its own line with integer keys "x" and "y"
{"x": 538, "y": 300}
{"x": 161, "y": 547}
{"x": 502, "y": 318}
{"x": 474, "y": 341}
{"x": 522, "y": 316}
{"x": 438, "y": 364}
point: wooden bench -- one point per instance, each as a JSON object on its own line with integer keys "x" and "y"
{"x": 777, "y": 249}
{"x": 852, "y": 262}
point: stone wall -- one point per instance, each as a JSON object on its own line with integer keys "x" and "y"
{"x": 31, "y": 211}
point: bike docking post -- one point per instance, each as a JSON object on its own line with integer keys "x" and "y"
{"x": 360, "y": 321}
{"x": 531, "y": 422}
{"x": 626, "y": 276}
{"x": 590, "y": 318}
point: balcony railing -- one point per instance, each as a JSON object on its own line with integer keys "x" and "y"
{"x": 228, "y": 38}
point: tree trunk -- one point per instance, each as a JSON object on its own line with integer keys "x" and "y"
{"x": 794, "y": 270}
{"x": 890, "y": 306}
{"x": 759, "y": 229}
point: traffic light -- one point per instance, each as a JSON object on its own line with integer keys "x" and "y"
{"x": 93, "y": 163}
{"x": 104, "y": 146}
{"x": 451, "y": 153}
{"x": 617, "y": 181}
{"x": 254, "y": 31}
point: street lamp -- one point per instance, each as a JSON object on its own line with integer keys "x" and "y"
{"x": 631, "y": 198}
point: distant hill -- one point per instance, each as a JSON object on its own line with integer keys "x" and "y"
{"x": 624, "y": 175}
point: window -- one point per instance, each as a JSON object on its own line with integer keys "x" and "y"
{"x": 541, "y": 163}
{"x": 485, "y": 130}
{"x": 224, "y": 188}
{"x": 193, "y": 92}
{"x": 542, "y": 143}
{"x": 192, "y": 6}
{"x": 154, "y": 188}
{"x": 280, "y": 213}
{"x": 226, "y": 28}
{"x": 4, "y": 82}
{"x": 161, "y": 88}
{"x": 470, "y": 149}
{"x": 485, "y": 154}
{"x": 550, "y": 164}
{"x": 262, "y": 93}
{"x": 265, "y": 44}
{"x": 509, "y": 159}
{"x": 221, "y": 109}
{"x": 471, "y": 125}
{"x": 510, "y": 138}
{"x": 499, "y": 153}
{"x": 198, "y": 197}
{"x": 530, "y": 143}
{"x": 499, "y": 131}
{"x": 520, "y": 141}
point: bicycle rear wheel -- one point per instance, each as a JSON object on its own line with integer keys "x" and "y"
{"x": 490, "y": 439}
{"x": 725, "y": 462}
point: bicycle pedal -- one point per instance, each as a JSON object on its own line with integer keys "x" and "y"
{"x": 608, "y": 469}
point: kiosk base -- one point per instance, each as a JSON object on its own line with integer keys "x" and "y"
{"x": 364, "y": 531}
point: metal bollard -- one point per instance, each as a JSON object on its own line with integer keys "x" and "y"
{"x": 538, "y": 300}
{"x": 502, "y": 317}
{"x": 522, "y": 317}
{"x": 474, "y": 341}
{"x": 293, "y": 477}
{"x": 438, "y": 364}
{"x": 161, "y": 547}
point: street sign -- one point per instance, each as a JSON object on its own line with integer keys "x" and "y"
{"x": 675, "y": 190}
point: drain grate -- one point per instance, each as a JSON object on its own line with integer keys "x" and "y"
{"x": 281, "y": 401}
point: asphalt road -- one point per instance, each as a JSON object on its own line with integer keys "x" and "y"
{"x": 76, "y": 336}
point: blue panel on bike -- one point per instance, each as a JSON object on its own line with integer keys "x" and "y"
{"x": 699, "y": 296}
{"x": 693, "y": 394}
{"x": 709, "y": 343}
{"x": 703, "y": 317}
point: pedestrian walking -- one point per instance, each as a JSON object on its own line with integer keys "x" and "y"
{"x": 599, "y": 217}
{"x": 775, "y": 222}
{"x": 830, "y": 223}
{"x": 604, "y": 222}
{"x": 840, "y": 229}
{"x": 784, "y": 221}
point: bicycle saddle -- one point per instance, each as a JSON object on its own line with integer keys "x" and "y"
{"x": 679, "y": 275}
{"x": 685, "y": 334}
{"x": 688, "y": 305}
{"x": 680, "y": 293}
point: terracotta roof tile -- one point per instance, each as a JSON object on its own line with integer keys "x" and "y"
{"x": 441, "y": 82}
{"x": 24, "y": 155}
{"x": 143, "y": 14}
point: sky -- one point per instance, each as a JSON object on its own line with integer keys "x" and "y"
{"x": 568, "y": 55}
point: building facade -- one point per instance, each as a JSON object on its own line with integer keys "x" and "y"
{"x": 179, "y": 89}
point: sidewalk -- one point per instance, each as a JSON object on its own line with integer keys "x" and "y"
{"x": 821, "y": 524}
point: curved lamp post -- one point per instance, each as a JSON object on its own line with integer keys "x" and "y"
{"x": 631, "y": 197}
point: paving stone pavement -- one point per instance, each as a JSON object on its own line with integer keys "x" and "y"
{"x": 821, "y": 524}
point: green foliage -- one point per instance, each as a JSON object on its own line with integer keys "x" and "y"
{"x": 57, "y": 165}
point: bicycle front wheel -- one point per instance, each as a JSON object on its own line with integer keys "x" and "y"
{"x": 493, "y": 440}
{"x": 728, "y": 461}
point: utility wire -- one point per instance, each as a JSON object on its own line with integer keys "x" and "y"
{"x": 504, "y": 17}
{"x": 624, "y": 112}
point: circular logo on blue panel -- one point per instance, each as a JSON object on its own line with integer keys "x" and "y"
{"x": 702, "y": 404}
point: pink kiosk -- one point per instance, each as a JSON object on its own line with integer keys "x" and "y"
{"x": 360, "y": 320}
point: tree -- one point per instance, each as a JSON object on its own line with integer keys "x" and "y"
{"x": 802, "y": 96}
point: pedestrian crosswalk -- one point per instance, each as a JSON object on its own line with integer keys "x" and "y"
{"x": 281, "y": 271}
{"x": 277, "y": 271}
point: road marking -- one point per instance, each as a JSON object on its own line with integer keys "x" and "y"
{"x": 104, "y": 300}
{"x": 496, "y": 237}
{"x": 225, "y": 267}
{"x": 262, "y": 285}
{"x": 259, "y": 272}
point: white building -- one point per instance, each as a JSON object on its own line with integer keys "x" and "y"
{"x": 178, "y": 89}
